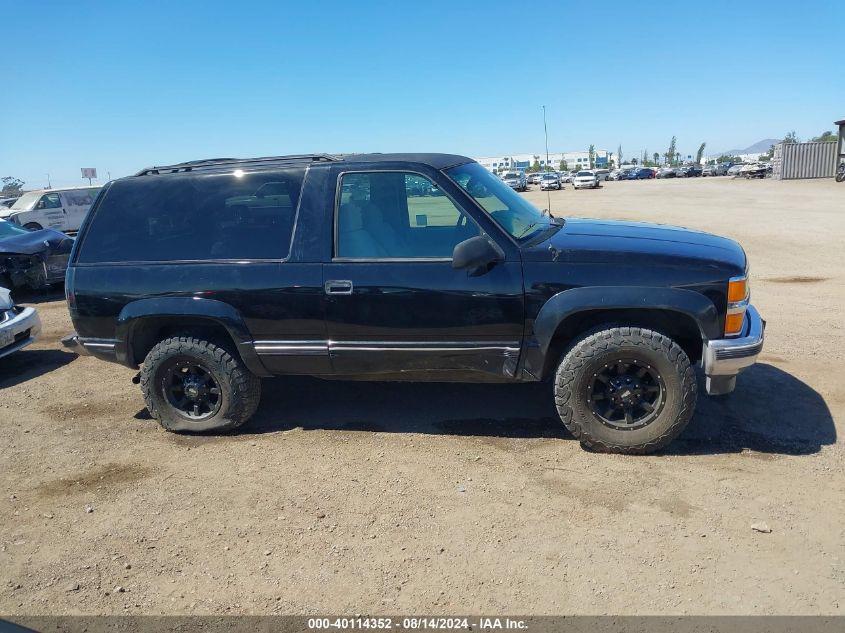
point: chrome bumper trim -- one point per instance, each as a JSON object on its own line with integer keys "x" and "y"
{"x": 722, "y": 359}
{"x": 85, "y": 346}
{"x": 27, "y": 319}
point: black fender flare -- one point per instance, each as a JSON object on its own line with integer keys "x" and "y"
{"x": 568, "y": 302}
{"x": 218, "y": 312}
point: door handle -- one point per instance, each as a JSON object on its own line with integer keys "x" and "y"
{"x": 338, "y": 287}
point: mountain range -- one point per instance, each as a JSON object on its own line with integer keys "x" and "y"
{"x": 760, "y": 147}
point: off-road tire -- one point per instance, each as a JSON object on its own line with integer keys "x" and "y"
{"x": 240, "y": 389}
{"x": 589, "y": 354}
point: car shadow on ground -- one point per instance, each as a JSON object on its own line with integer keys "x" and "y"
{"x": 26, "y": 364}
{"x": 770, "y": 412}
{"x": 27, "y": 296}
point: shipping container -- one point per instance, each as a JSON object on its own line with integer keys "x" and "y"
{"x": 804, "y": 160}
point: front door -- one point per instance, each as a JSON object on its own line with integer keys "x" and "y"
{"x": 394, "y": 304}
{"x": 49, "y": 212}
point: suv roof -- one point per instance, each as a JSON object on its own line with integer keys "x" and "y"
{"x": 437, "y": 161}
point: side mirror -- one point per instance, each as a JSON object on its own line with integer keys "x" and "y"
{"x": 477, "y": 254}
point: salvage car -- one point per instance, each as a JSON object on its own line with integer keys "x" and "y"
{"x": 354, "y": 277}
{"x": 550, "y": 181}
{"x": 516, "y": 180}
{"x": 32, "y": 259}
{"x": 19, "y": 326}
{"x": 586, "y": 180}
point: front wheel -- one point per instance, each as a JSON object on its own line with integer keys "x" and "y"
{"x": 840, "y": 176}
{"x": 32, "y": 226}
{"x": 625, "y": 390}
{"x": 192, "y": 385}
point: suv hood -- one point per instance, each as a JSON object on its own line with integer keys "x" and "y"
{"x": 637, "y": 243}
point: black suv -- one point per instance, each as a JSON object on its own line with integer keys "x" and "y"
{"x": 212, "y": 274}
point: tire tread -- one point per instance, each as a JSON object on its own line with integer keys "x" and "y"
{"x": 584, "y": 349}
{"x": 245, "y": 386}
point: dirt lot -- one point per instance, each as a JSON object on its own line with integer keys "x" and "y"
{"x": 398, "y": 498}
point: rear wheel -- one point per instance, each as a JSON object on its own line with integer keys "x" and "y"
{"x": 625, "y": 390}
{"x": 192, "y": 385}
{"x": 32, "y": 226}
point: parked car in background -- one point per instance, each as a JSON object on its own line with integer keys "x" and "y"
{"x": 614, "y": 174}
{"x": 535, "y": 178}
{"x": 719, "y": 169}
{"x": 734, "y": 170}
{"x": 492, "y": 290}
{"x": 32, "y": 259}
{"x": 550, "y": 180}
{"x": 643, "y": 173}
{"x": 516, "y": 180}
{"x": 8, "y": 202}
{"x": 19, "y": 326}
{"x": 586, "y": 180}
{"x": 689, "y": 171}
{"x": 666, "y": 172}
{"x": 602, "y": 174}
{"x": 59, "y": 209}
{"x": 567, "y": 177}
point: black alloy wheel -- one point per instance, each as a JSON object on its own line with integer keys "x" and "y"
{"x": 627, "y": 394}
{"x": 190, "y": 388}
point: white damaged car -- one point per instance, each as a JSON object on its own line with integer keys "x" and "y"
{"x": 19, "y": 326}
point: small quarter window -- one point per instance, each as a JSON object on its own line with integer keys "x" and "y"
{"x": 195, "y": 217}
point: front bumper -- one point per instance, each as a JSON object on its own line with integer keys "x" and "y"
{"x": 722, "y": 359}
{"x": 23, "y": 327}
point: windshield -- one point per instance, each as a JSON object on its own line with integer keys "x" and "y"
{"x": 508, "y": 209}
{"x": 585, "y": 173}
{"x": 511, "y": 174}
{"x": 7, "y": 229}
{"x": 26, "y": 201}
{"x": 549, "y": 177}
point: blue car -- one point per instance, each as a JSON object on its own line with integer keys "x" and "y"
{"x": 643, "y": 173}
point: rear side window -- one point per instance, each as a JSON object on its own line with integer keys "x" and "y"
{"x": 189, "y": 217}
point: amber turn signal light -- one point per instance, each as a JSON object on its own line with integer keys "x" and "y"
{"x": 733, "y": 323}
{"x": 737, "y": 290}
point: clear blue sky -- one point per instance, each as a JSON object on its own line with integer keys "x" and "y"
{"x": 120, "y": 85}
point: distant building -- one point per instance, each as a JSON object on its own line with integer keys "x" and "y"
{"x": 574, "y": 160}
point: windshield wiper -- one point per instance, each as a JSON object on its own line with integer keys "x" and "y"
{"x": 527, "y": 229}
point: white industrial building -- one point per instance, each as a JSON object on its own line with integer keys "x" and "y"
{"x": 574, "y": 160}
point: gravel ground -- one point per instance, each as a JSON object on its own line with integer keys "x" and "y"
{"x": 441, "y": 499}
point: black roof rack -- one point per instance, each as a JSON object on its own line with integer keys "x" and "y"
{"x": 225, "y": 164}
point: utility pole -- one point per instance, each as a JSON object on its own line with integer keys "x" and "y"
{"x": 49, "y": 185}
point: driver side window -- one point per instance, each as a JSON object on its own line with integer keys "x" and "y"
{"x": 50, "y": 201}
{"x": 397, "y": 215}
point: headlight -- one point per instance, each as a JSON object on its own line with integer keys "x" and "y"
{"x": 739, "y": 293}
